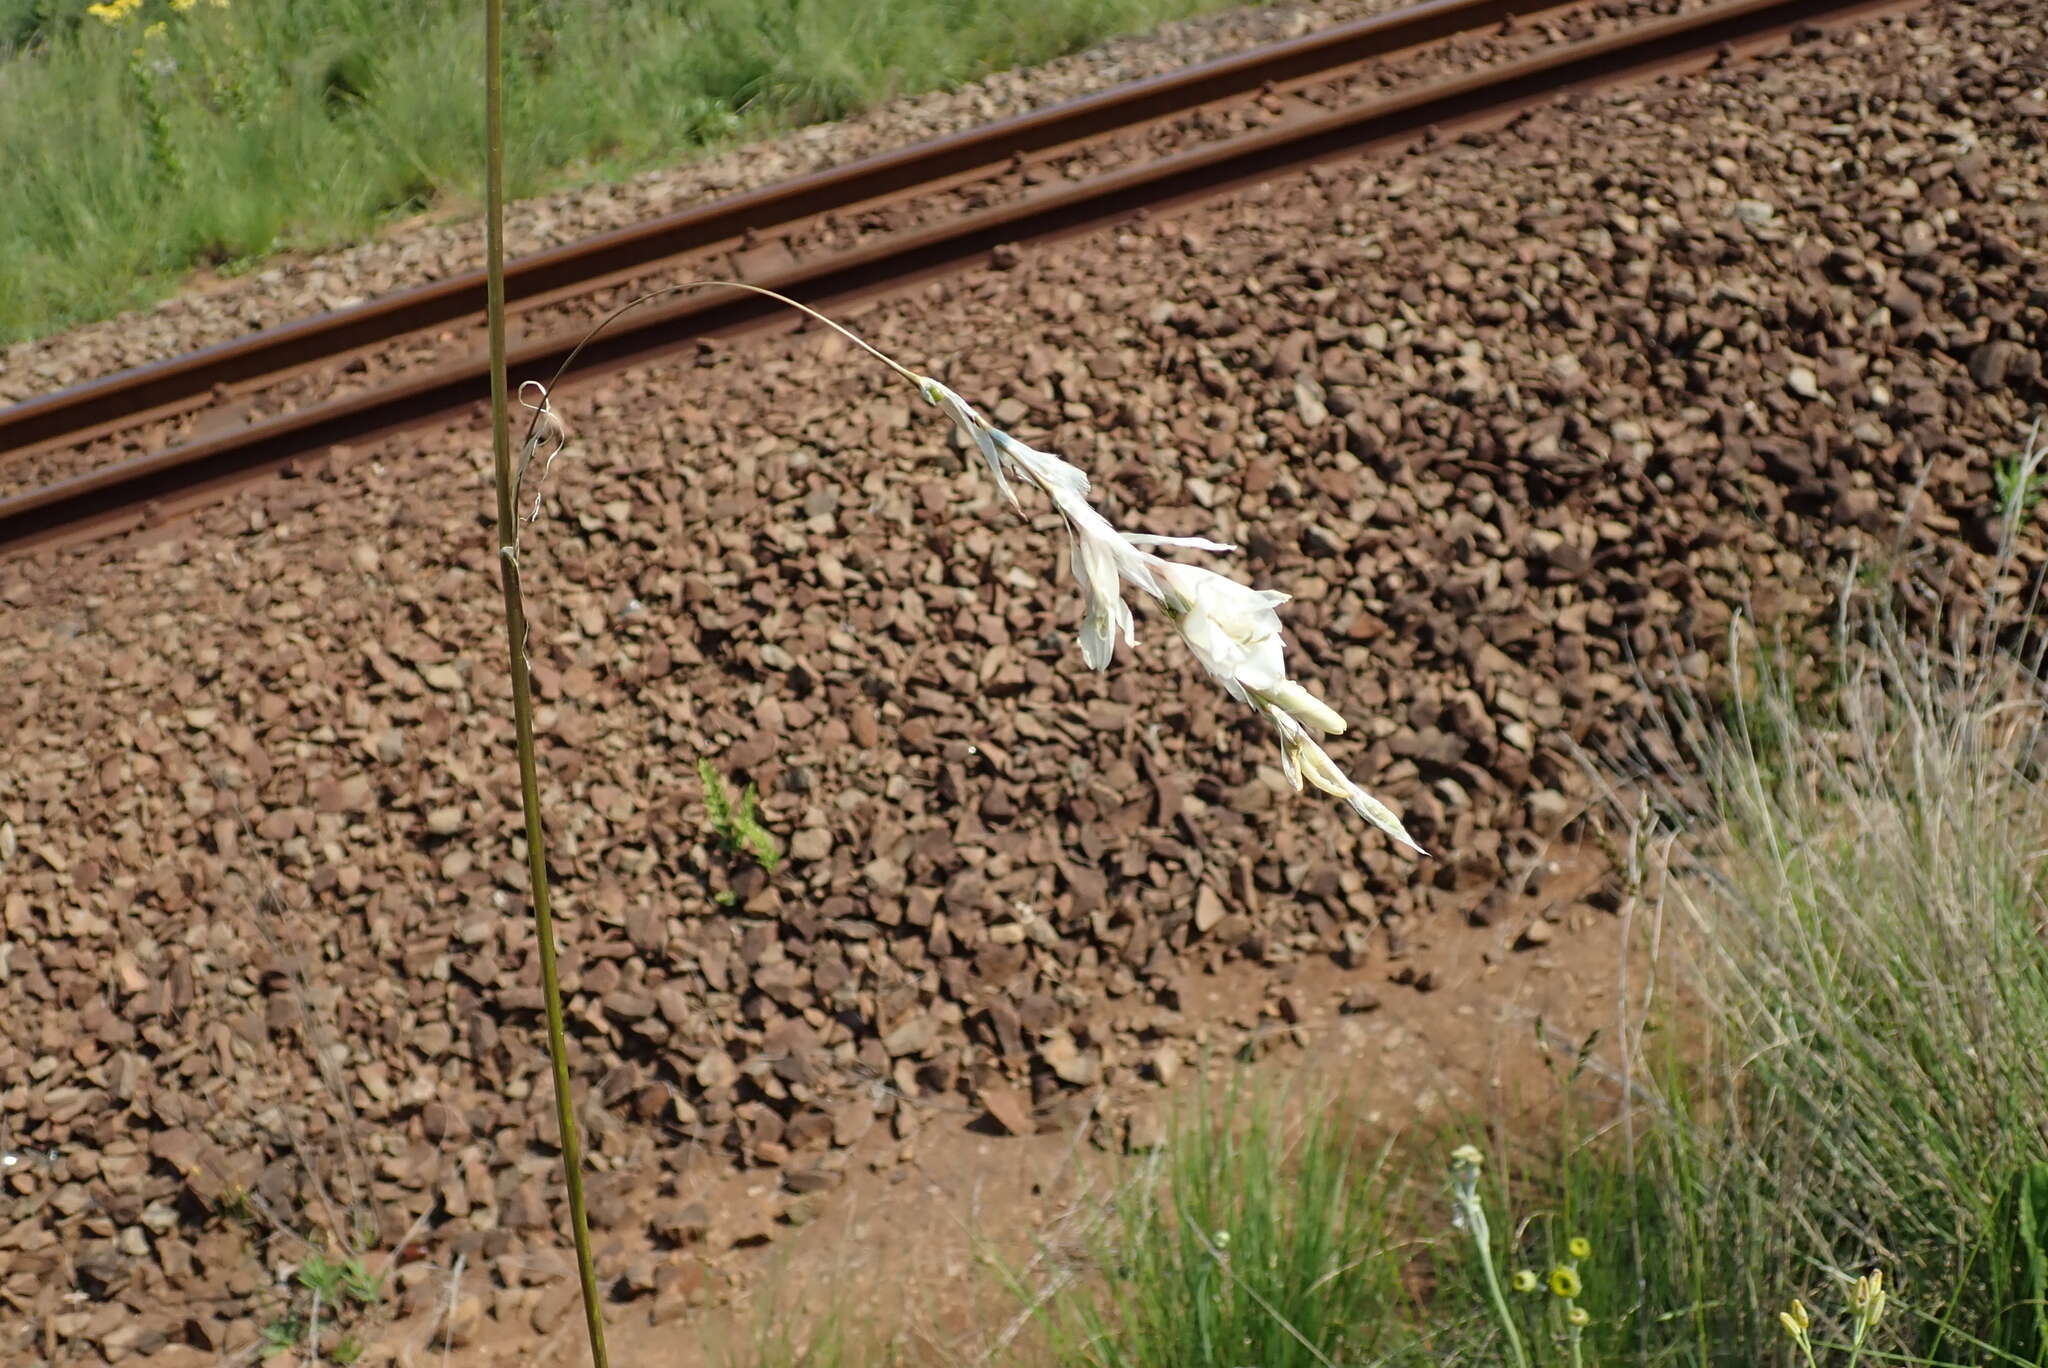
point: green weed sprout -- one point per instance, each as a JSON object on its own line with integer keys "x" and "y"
{"x": 360, "y": 1285}
{"x": 341, "y": 1280}
{"x": 281, "y": 1335}
{"x": 2018, "y": 483}
{"x": 336, "y": 1285}
{"x": 739, "y": 827}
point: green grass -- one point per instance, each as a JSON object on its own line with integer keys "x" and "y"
{"x": 1873, "y": 954}
{"x": 264, "y": 126}
{"x": 1246, "y": 1242}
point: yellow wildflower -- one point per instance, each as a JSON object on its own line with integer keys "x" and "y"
{"x": 1579, "y": 1247}
{"x": 1578, "y": 1317}
{"x": 1526, "y": 1281}
{"x": 1565, "y": 1283}
{"x": 113, "y": 11}
{"x": 180, "y": 6}
{"x": 155, "y": 30}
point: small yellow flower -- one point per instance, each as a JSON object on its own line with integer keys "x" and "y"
{"x": 1526, "y": 1281}
{"x": 155, "y": 30}
{"x": 1796, "y": 1321}
{"x": 1578, "y": 1317}
{"x": 1579, "y": 1247}
{"x": 180, "y": 6}
{"x": 1565, "y": 1283}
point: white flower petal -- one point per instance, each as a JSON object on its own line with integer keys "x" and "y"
{"x": 1306, "y": 706}
{"x": 1319, "y": 769}
{"x": 1191, "y": 543}
{"x": 975, "y": 427}
{"x": 1085, "y": 524}
{"x": 1056, "y": 477}
{"x": 1231, "y": 628}
{"x": 1104, "y": 612}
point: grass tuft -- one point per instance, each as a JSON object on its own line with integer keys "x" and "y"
{"x": 1872, "y": 951}
{"x": 1245, "y": 1242}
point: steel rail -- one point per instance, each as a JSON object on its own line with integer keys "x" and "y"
{"x": 115, "y": 495}
{"x": 96, "y": 407}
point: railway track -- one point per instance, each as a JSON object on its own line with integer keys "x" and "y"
{"x": 744, "y": 230}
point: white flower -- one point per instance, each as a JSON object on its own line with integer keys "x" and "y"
{"x": 1232, "y": 628}
{"x": 1096, "y": 552}
{"x": 1063, "y": 482}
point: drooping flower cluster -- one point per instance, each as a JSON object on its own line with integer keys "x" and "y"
{"x": 1231, "y": 628}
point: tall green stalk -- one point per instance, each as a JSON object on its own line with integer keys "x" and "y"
{"x": 522, "y": 688}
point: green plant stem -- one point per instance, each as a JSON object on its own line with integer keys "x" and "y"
{"x": 1482, "y": 1240}
{"x": 522, "y": 688}
{"x": 1500, "y": 1308}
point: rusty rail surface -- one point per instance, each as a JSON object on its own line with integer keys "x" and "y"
{"x": 124, "y": 494}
